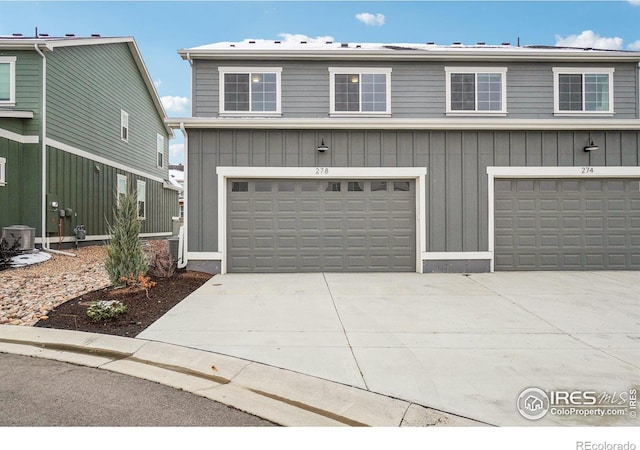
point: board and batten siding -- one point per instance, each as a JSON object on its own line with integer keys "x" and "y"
{"x": 417, "y": 89}
{"x": 20, "y": 196}
{"x": 88, "y": 86}
{"x": 456, "y": 161}
{"x": 89, "y": 189}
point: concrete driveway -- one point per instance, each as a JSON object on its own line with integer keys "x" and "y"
{"x": 465, "y": 344}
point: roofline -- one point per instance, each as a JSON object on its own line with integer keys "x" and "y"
{"x": 449, "y": 54}
{"x": 49, "y": 43}
{"x": 476, "y": 124}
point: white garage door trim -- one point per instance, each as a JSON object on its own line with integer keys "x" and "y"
{"x": 546, "y": 172}
{"x": 416, "y": 173}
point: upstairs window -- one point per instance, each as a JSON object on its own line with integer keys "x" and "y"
{"x": 476, "y": 90}
{"x": 360, "y": 91}
{"x": 254, "y": 91}
{"x": 124, "y": 126}
{"x": 160, "y": 151}
{"x": 583, "y": 91}
{"x": 7, "y": 80}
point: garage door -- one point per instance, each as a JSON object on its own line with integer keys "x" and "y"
{"x": 321, "y": 225}
{"x": 567, "y": 224}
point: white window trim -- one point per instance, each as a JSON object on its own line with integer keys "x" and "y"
{"x": 3, "y": 172}
{"x": 225, "y": 70}
{"x": 416, "y": 173}
{"x": 476, "y": 70}
{"x": 138, "y": 184}
{"x": 557, "y": 71}
{"x": 160, "y": 150}
{"x": 118, "y": 193}
{"x": 124, "y": 124}
{"x": 495, "y": 172}
{"x": 11, "y": 60}
{"x": 333, "y": 71}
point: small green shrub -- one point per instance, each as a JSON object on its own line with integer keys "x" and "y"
{"x": 7, "y": 252}
{"x": 105, "y": 310}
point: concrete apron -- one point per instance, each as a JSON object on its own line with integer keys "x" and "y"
{"x": 465, "y": 344}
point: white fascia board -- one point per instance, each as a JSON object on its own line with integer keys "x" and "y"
{"x": 320, "y": 172}
{"x": 412, "y": 55}
{"x": 99, "y": 159}
{"x": 563, "y": 172}
{"x": 482, "y": 124}
{"x": 18, "y": 137}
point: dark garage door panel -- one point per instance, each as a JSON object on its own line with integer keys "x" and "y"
{"x": 299, "y": 226}
{"x": 567, "y": 224}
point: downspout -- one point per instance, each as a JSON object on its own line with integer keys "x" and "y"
{"x": 43, "y": 115}
{"x": 183, "y": 258}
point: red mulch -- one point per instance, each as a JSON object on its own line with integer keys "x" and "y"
{"x": 141, "y": 311}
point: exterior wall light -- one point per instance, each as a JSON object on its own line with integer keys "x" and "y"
{"x": 591, "y": 147}
{"x": 322, "y": 147}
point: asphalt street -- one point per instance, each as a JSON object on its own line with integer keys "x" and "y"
{"x": 46, "y": 393}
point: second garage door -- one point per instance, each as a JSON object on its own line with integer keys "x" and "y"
{"x": 321, "y": 225}
{"x": 567, "y": 224}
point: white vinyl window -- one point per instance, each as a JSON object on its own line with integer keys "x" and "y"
{"x": 250, "y": 91}
{"x": 160, "y": 151}
{"x": 476, "y": 91}
{"x": 124, "y": 126}
{"x": 580, "y": 91}
{"x": 360, "y": 91}
{"x": 121, "y": 187}
{"x": 8, "y": 80}
{"x": 3, "y": 171}
{"x": 141, "y": 194}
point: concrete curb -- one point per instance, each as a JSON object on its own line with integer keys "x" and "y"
{"x": 281, "y": 396}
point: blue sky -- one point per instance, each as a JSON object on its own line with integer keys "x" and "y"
{"x": 162, "y": 27}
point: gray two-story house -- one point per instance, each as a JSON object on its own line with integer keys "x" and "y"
{"x": 80, "y": 123}
{"x": 426, "y": 158}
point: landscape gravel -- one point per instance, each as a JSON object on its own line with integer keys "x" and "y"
{"x": 27, "y": 294}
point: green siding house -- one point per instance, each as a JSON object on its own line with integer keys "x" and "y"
{"x": 80, "y": 123}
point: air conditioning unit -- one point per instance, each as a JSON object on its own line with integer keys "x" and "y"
{"x": 26, "y": 234}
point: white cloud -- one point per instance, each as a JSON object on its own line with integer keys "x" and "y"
{"x": 634, "y": 46}
{"x": 588, "y": 39}
{"x": 176, "y": 152}
{"x": 174, "y": 104}
{"x": 634, "y": 2}
{"x": 297, "y": 38}
{"x": 371, "y": 19}
{"x": 157, "y": 83}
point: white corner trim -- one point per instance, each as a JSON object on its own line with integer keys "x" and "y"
{"x": 494, "y": 172}
{"x": 416, "y": 173}
{"x": 90, "y": 156}
{"x": 437, "y": 256}
{"x": 18, "y": 137}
